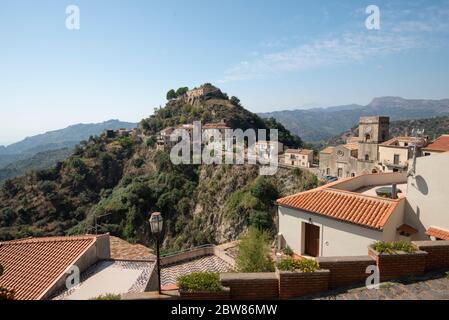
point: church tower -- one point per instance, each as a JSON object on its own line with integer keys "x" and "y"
{"x": 372, "y": 132}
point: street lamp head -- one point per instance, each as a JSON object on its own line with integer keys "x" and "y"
{"x": 156, "y": 222}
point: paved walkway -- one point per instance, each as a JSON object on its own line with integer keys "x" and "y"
{"x": 432, "y": 286}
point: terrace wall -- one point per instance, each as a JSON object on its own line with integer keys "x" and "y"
{"x": 346, "y": 270}
{"x": 437, "y": 253}
{"x": 251, "y": 286}
{"x": 394, "y": 266}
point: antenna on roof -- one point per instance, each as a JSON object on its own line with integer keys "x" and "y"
{"x": 417, "y": 142}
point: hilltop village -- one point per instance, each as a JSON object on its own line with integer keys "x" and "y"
{"x": 316, "y": 225}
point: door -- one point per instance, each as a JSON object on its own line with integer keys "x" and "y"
{"x": 312, "y": 240}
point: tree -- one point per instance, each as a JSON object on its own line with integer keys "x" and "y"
{"x": 254, "y": 252}
{"x": 264, "y": 190}
{"x": 181, "y": 91}
{"x": 171, "y": 95}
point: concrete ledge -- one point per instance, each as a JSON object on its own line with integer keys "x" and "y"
{"x": 248, "y": 276}
{"x": 344, "y": 259}
{"x": 431, "y": 244}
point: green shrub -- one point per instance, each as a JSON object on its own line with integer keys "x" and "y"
{"x": 260, "y": 219}
{"x": 138, "y": 163}
{"x": 254, "y": 252}
{"x": 393, "y": 247}
{"x": 304, "y": 265}
{"x": 200, "y": 281}
{"x": 108, "y": 296}
{"x": 288, "y": 251}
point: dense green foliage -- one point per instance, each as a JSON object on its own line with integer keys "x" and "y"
{"x": 254, "y": 252}
{"x": 288, "y": 251}
{"x": 394, "y": 247}
{"x": 39, "y": 161}
{"x": 303, "y": 265}
{"x": 200, "y": 281}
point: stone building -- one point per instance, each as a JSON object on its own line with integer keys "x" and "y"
{"x": 394, "y": 154}
{"x": 298, "y": 158}
{"x": 204, "y": 91}
{"x": 361, "y": 155}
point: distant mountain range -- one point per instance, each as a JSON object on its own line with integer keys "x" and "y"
{"x": 321, "y": 124}
{"x": 44, "y": 150}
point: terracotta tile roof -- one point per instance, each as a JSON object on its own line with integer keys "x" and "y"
{"x": 393, "y": 141}
{"x": 371, "y": 212}
{"x": 327, "y": 150}
{"x": 300, "y": 151}
{"x": 33, "y": 265}
{"x": 351, "y": 146}
{"x": 438, "y": 233}
{"x": 123, "y": 250}
{"x": 441, "y": 144}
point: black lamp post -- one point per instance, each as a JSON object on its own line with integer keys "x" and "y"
{"x": 156, "y": 224}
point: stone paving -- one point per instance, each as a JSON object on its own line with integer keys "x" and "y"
{"x": 170, "y": 274}
{"x": 432, "y": 286}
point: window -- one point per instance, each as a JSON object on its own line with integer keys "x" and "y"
{"x": 366, "y": 157}
{"x": 293, "y": 163}
{"x": 340, "y": 172}
{"x": 396, "y": 159}
{"x": 328, "y": 171}
{"x": 367, "y": 137}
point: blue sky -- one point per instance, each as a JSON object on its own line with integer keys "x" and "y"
{"x": 273, "y": 55}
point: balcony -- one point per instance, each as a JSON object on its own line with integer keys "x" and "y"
{"x": 395, "y": 165}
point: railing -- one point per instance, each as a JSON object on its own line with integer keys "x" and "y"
{"x": 171, "y": 254}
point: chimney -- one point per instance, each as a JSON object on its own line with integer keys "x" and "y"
{"x": 394, "y": 191}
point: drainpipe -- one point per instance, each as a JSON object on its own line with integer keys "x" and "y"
{"x": 394, "y": 191}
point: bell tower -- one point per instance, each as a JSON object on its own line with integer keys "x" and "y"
{"x": 372, "y": 132}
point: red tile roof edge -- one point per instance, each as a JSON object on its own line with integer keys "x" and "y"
{"x": 438, "y": 233}
{"x": 51, "y": 286}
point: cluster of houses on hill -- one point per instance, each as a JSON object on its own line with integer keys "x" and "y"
{"x": 302, "y": 158}
{"x": 373, "y": 151}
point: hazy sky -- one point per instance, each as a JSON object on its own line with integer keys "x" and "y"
{"x": 271, "y": 54}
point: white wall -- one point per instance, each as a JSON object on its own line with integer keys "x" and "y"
{"x": 428, "y": 194}
{"x": 336, "y": 239}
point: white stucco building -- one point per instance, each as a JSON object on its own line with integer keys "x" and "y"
{"x": 345, "y": 217}
{"x": 342, "y": 218}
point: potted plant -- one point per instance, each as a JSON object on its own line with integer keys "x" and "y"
{"x": 202, "y": 286}
{"x": 397, "y": 259}
{"x": 300, "y": 277}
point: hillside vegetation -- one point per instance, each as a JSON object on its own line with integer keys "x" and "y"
{"x": 121, "y": 181}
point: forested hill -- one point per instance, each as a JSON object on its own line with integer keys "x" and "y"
{"x": 122, "y": 180}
